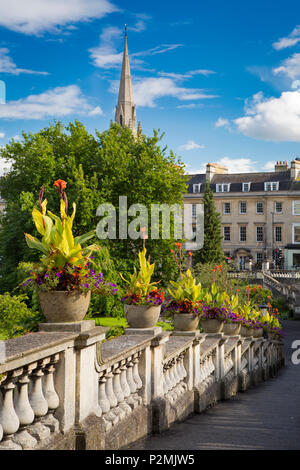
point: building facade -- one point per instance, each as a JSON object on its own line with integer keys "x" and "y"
{"x": 260, "y": 213}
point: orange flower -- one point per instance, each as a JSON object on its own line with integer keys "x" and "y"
{"x": 60, "y": 184}
{"x": 190, "y": 253}
{"x": 178, "y": 244}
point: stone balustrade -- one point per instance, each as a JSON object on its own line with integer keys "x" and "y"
{"x": 73, "y": 390}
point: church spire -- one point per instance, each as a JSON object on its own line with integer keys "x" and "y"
{"x": 126, "y": 110}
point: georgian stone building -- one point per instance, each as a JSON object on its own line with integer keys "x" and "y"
{"x": 260, "y": 212}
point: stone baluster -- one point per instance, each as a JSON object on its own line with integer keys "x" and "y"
{"x": 206, "y": 369}
{"x": 209, "y": 369}
{"x": 22, "y": 405}
{"x": 212, "y": 365}
{"x": 165, "y": 386}
{"x": 103, "y": 400}
{"x": 171, "y": 375}
{"x": 117, "y": 384}
{"x": 109, "y": 388}
{"x": 176, "y": 370}
{"x": 135, "y": 371}
{"x": 8, "y": 417}
{"x": 129, "y": 375}
{"x": 49, "y": 389}
{"x": 167, "y": 377}
{"x": 182, "y": 368}
{"x": 123, "y": 379}
{"x": 37, "y": 399}
{"x": 201, "y": 372}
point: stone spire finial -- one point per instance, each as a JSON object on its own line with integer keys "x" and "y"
{"x": 126, "y": 110}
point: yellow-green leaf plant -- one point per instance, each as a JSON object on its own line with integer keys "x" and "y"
{"x": 139, "y": 283}
{"x": 186, "y": 288}
{"x": 58, "y": 245}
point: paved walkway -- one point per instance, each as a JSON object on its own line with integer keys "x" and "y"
{"x": 264, "y": 417}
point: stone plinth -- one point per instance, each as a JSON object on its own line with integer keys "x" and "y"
{"x": 76, "y": 327}
{"x": 154, "y": 331}
{"x": 193, "y": 334}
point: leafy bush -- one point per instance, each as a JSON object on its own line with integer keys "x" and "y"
{"x": 15, "y": 316}
{"x": 111, "y": 305}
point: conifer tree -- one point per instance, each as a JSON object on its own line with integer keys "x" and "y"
{"x": 212, "y": 251}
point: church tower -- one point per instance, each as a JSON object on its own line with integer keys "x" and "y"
{"x": 126, "y": 110}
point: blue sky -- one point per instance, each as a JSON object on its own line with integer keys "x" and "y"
{"x": 221, "y": 79}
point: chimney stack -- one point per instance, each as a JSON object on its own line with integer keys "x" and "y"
{"x": 281, "y": 166}
{"x": 295, "y": 169}
{"x": 215, "y": 169}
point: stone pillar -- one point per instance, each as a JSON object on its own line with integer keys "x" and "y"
{"x": 220, "y": 353}
{"x": 196, "y": 359}
{"x": 87, "y": 384}
{"x": 65, "y": 386}
{"x": 158, "y": 352}
{"x": 188, "y": 364}
{"x": 144, "y": 368}
{"x": 237, "y": 357}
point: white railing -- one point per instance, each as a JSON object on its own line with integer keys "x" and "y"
{"x": 119, "y": 385}
{"x": 48, "y": 390}
{"x": 174, "y": 374}
{"x": 28, "y": 400}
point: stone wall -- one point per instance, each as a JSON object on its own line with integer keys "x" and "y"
{"x": 73, "y": 390}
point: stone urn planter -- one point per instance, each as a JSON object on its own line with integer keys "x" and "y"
{"x": 212, "y": 325}
{"x": 258, "y": 332}
{"x": 185, "y": 321}
{"x": 64, "y": 306}
{"x": 231, "y": 329}
{"x": 246, "y": 332}
{"x": 141, "y": 316}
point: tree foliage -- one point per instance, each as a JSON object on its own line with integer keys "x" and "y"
{"x": 98, "y": 169}
{"x": 212, "y": 251}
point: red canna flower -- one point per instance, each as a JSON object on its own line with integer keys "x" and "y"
{"x": 61, "y": 185}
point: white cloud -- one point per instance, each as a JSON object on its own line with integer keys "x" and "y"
{"x": 234, "y": 165}
{"x": 290, "y": 67}
{"x": 238, "y": 165}
{"x": 221, "y": 122}
{"x": 190, "y": 74}
{"x": 275, "y": 119}
{"x": 106, "y": 55}
{"x": 36, "y": 16}
{"x": 269, "y": 166}
{"x": 189, "y": 106}
{"x": 296, "y": 84}
{"x": 289, "y": 41}
{"x": 7, "y": 65}
{"x": 2, "y": 135}
{"x": 148, "y": 90}
{"x": 57, "y": 102}
{"x": 191, "y": 145}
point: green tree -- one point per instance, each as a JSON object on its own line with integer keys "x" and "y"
{"x": 97, "y": 169}
{"x": 212, "y": 251}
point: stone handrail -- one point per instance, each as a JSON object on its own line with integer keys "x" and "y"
{"x": 72, "y": 390}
